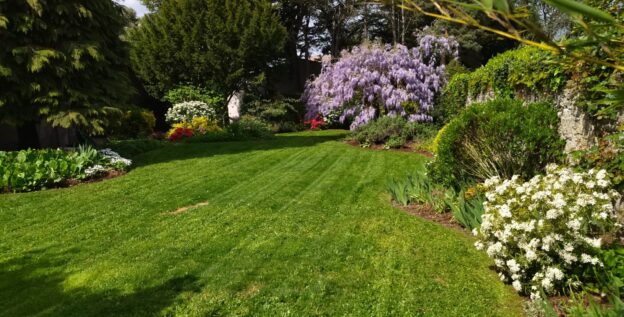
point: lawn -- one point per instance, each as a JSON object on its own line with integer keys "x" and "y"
{"x": 297, "y": 225}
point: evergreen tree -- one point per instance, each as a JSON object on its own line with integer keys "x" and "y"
{"x": 62, "y": 60}
{"x": 218, "y": 44}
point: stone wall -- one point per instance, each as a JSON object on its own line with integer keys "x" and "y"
{"x": 576, "y": 126}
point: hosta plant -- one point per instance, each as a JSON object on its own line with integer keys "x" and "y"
{"x": 544, "y": 232}
{"x": 188, "y": 110}
{"x": 30, "y": 170}
{"x": 373, "y": 80}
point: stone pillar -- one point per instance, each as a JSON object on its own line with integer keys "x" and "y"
{"x": 234, "y": 105}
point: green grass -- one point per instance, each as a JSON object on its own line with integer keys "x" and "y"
{"x": 297, "y": 225}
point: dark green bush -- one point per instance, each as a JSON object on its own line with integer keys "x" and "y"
{"x": 394, "y": 132}
{"x": 502, "y": 137}
{"x": 132, "y": 148}
{"x": 282, "y": 114}
{"x": 248, "y": 127}
{"x": 131, "y": 124}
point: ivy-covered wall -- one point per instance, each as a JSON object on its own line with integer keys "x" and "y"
{"x": 528, "y": 74}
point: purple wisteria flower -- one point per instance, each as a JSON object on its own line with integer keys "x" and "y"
{"x": 374, "y": 80}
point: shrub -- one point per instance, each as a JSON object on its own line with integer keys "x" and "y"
{"x": 498, "y": 138}
{"x": 189, "y": 93}
{"x": 131, "y": 124}
{"x": 452, "y": 100}
{"x": 282, "y": 114}
{"x": 189, "y": 110}
{"x": 542, "y": 233}
{"x": 197, "y": 126}
{"x": 372, "y": 81}
{"x": 249, "y": 127}
{"x": 607, "y": 154}
{"x": 30, "y": 170}
{"x": 395, "y": 132}
{"x": 132, "y": 148}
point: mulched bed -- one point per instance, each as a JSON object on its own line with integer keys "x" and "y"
{"x": 97, "y": 179}
{"x": 411, "y": 147}
{"x": 427, "y": 212}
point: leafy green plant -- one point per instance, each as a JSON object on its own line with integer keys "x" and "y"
{"x": 502, "y": 137}
{"x": 467, "y": 212}
{"x": 608, "y": 153}
{"x": 399, "y": 191}
{"x": 282, "y": 114}
{"x": 394, "y": 132}
{"x": 30, "y": 170}
{"x": 249, "y": 127}
{"x": 131, "y": 124}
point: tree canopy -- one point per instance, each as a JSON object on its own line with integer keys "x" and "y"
{"x": 62, "y": 60}
{"x": 218, "y": 44}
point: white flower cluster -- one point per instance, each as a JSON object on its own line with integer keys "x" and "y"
{"x": 538, "y": 231}
{"x": 114, "y": 158}
{"x": 186, "y": 111}
{"x": 95, "y": 169}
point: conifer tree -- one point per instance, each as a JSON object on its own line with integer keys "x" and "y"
{"x": 62, "y": 60}
{"x": 217, "y": 44}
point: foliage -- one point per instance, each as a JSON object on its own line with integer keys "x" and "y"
{"x": 63, "y": 61}
{"x": 595, "y": 44}
{"x": 498, "y": 138}
{"x": 187, "y": 93}
{"x": 508, "y": 75}
{"x": 283, "y": 114}
{"x": 419, "y": 189}
{"x": 179, "y": 133}
{"x": 452, "y": 100}
{"x": 132, "y": 148}
{"x": 373, "y": 81}
{"x": 249, "y": 127}
{"x": 196, "y": 126}
{"x": 130, "y": 124}
{"x": 607, "y": 154}
{"x": 218, "y": 44}
{"x": 467, "y": 211}
{"x": 189, "y": 110}
{"x": 30, "y": 170}
{"x": 394, "y": 130}
{"x": 541, "y": 233}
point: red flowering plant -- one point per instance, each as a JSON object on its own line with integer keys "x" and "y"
{"x": 316, "y": 123}
{"x": 180, "y": 133}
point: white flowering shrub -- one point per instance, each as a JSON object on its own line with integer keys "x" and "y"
{"x": 542, "y": 231}
{"x": 186, "y": 111}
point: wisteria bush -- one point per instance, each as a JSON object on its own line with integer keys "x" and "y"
{"x": 373, "y": 80}
{"x": 544, "y": 232}
{"x": 188, "y": 110}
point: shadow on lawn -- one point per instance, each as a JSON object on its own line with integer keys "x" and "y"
{"x": 34, "y": 285}
{"x": 192, "y": 150}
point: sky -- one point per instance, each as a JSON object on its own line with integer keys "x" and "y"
{"x": 136, "y": 5}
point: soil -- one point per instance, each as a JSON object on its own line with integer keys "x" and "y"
{"x": 427, "y": 212}
{"x": 99, "y": 178}
{"x": 411, "y": 147}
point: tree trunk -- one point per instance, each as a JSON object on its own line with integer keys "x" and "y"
{"x": 393, "y": 25}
